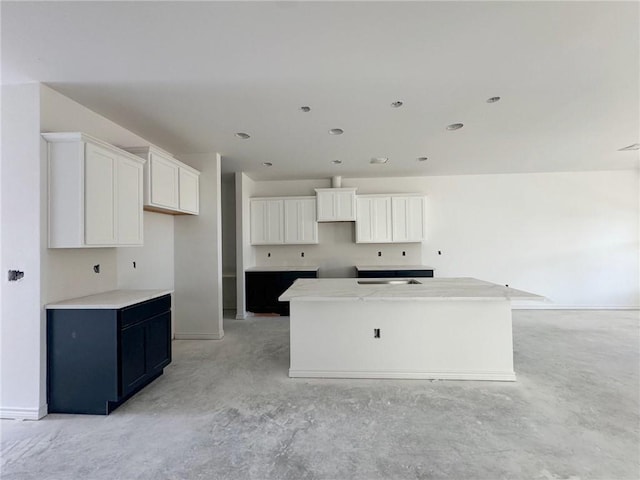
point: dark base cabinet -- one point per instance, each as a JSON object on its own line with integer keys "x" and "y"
{"x": 264, "y": 288}
{"x": 394, "y": 273}
{"x": 98, "y": 358}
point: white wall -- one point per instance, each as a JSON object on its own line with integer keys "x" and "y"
{"x": 52, "y": 274}
{"x": 23, "y": 386}
{"x": 69, "y": 272}
{"x": 154, "y": 267}
{"x": 198, "y": 258}
{"x": 572, "y": 237}
{"x": 245, "y": 253}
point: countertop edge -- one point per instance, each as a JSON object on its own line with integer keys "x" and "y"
{"x": 95, "y": 302}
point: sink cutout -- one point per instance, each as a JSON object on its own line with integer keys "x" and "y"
{"x": 383, "y": 281}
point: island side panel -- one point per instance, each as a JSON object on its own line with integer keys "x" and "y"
{"x": 465, "y": 340}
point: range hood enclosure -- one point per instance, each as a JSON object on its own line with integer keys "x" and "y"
{"x": 336, "y": 204}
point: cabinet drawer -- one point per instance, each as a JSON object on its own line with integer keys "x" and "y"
{"x": 142, "y": 311}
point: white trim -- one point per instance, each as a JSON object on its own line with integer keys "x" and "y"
{"x": 199, "y": 336}
{"x": 240, "y": 316}
{"x": 24, "y": 413}
{"x": 493, "y": 376}
{"x": 575, "y": 307}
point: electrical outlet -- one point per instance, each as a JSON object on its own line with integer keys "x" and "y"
{"x": 15, "y": 275}
{"x": 379, "y": 254}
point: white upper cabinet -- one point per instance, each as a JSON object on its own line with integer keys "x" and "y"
{"x": 170, "y": 186}
{"x": 267, "y": 221}
{"x": 408, "y": 218}
{"x": 300, "y": 225}
{"x": 95, "y": 193}
{"x": 390, "y": 218}
{"x": 373, "y": 223}
{"x": 336, "y": 204}
{"x": 283, "y": 220}
{"x": 189, "y": 186}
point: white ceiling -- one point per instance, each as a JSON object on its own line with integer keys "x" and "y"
{"x": 187, "y": 76}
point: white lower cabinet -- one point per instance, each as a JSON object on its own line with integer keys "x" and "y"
{"x": 95, "y": 193}
{"x": 283, "y": 220}
{"x": 390, "y": 219}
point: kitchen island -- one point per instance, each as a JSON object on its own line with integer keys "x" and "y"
{"x": 426, "y": 328}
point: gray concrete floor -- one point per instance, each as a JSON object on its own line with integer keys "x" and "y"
{"x": 227, "y": 410}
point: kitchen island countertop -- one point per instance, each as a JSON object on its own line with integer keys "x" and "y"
{"x": 429, "y": 289}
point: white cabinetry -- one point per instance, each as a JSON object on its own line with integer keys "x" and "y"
{"x": 390, "y": 218}
{"x": 373, "y": 223}
{"x": 336, "y": 204}
{"x": 300, "y": 225}
{"x": 95, "y": 193}
{"x": 407, "y": 215}
{"x": 267, "y": 221}
{"x": 283, "y": 220}
{"x": 170, "y": 186}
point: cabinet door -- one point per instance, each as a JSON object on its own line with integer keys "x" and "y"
{"x": 325, "y": 206}
{"x": 134, "y": 369}
{"x": 99, "y": 190}
{"x": 129, "y": 202}
{"x": 408, "y": 219}
{"x": 158, "y": 342}
{"x": 189, "y": 191}
{"x": 373, "y": 224}
{"x": 345, "y": 208}
{"x": 300, "y": 225}
{"x": 164, "y": 182}
{"x": 267, "y": 222}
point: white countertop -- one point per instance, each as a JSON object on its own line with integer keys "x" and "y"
{"x": 429, "y": 289}
{"x": 285, "y": 268}
{"x": 113, "y": 299}
{"x": 374, "y": 268}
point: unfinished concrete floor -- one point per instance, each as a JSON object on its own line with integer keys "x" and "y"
{"x": 227, "y": 410}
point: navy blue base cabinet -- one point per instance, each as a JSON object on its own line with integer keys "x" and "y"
{"x": 264, "y": 288}
{"x": 395, "y": 273}
{"x": 98, "y": 358}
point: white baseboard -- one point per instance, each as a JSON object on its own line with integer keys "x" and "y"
{"x": 199, "y": 336}
{"x": 24, "y": 413}
{"x": 492, "y": 376}
{"x": 573, "y": 307}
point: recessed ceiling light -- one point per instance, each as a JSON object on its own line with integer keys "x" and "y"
{"x": 305, "y": 109}
{"x": 455, "y": 126}
{"x": 493, "y": 99}
{"x": 336, "y": 131}
{"x": 267, "y": 164}
{"x": 243, "y": 135}
{"x": 635, "y": 146}
{"x": 422, "y": 159}
{"x": 336, "y": 162}
{"x": 378, "y": 160}
{"x": 397, "y": 104}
